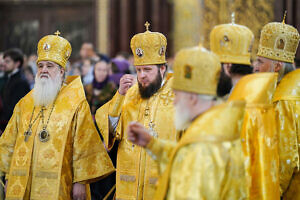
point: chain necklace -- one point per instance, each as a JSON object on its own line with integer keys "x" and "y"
{"x": 153, "y": 115}
{"x": 154, "y": 110}
{"x": 28, "y": 132}
{"x": 44, "y": 134}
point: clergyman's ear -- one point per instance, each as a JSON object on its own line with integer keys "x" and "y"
{"x": 227, "y": 67}
{"x": 62, "y": 70}
{"x": 193, "y": 98}
{"x": 162, "y": 70}
{"x": 278, "y": 66}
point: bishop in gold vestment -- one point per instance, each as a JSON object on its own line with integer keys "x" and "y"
{"x": 197, "y": 166}
{"x": 277, "y": 48}
{"x": 45, "y": 149}
{"x": 233, "y": 45}
{"x": 137, "y": 173}
{"x": 258, "y": 135}
{"x": 287, "y": 106}
{"x": 207, "y": 162}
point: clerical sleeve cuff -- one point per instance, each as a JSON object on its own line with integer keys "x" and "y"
{"x": 116, "y": 105}
{"x": 83, "y": 182}
{"x": 151, "y": 143}
{"x": 154, "y": 148}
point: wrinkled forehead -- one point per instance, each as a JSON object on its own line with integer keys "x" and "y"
{"x": 46, "y": 62}
{"x": 263, "y": 59}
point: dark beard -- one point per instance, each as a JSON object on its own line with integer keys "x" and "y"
{"x": 152, "y": 88}
{"x": 224, "y": 84}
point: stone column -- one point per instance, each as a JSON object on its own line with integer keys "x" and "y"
{"x": 102, "y": 17}
{"x": 186, "y": 23}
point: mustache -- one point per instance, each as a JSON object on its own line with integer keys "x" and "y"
{"x": 44, "y": 75}
{"x": 152, "y": 88}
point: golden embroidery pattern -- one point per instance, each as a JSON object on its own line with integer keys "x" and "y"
{"x": 44, "y": 134}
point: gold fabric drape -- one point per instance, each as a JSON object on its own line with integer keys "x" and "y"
{"x": 259, "y": 136}
{"x": 207, "y": 162}
{"x": 287, "y": 107}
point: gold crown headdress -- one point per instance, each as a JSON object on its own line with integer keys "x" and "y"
{"x": 196, "y": 70}
{"x": 54, "y": 48}
{"x": 148, "y": 48}
{"x": 278, "y": 41}
{"x": 232, "y": 43}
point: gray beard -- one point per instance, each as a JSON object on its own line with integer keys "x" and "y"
{"x": 181, "y": 117}
{"x": 46, "y": 89}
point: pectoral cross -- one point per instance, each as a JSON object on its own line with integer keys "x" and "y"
{"x": 27, "y": 134}
{"x": 147, "y": 111}
{"x": 152, "y": 131}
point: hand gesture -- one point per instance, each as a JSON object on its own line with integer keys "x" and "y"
{"x": 126, "y": 82}
{"x": 137, "y": 134}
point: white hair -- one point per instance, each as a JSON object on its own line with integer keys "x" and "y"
{"x": 46, "y": 89}
{"x": 206, "y": 97}
{"x": 285, "y": 68}
{"x": 182, "y": 116}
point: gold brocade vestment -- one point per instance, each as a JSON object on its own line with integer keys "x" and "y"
{"x": 259, "y": 136}
{"x": 73, "y": 153}
{"x": 207, "y": 162}
{"x": 137, "y": 173}
{"x": 287, "y": 107}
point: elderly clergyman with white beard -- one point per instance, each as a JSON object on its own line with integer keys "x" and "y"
{"x": 207, "y": 161}
{"x": 50, "y": 148}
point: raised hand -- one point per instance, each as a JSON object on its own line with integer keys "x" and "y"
{"x": 126, "y": 82}
{"x": 137, "y": 134}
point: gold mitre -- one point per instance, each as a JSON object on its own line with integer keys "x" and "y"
{"x": 196, "y": 70}
{"x": 54, "y": 48}
{"x": 278, "y": 41}
{"x": 148, "y": 48}
{"x": 232, "y": 43}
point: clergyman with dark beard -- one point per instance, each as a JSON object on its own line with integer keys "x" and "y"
{"x": 146, "y": 91}
{"x": 149, "y": 102}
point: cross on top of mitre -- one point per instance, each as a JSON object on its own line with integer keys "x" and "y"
{"x": 233, "y": 18}
{"x": 283, "y": 21}
{"x": 57, "y": 33}
{"x": 147, "y": 24}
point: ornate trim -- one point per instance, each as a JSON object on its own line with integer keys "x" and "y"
{"x": 127, "y": 178}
